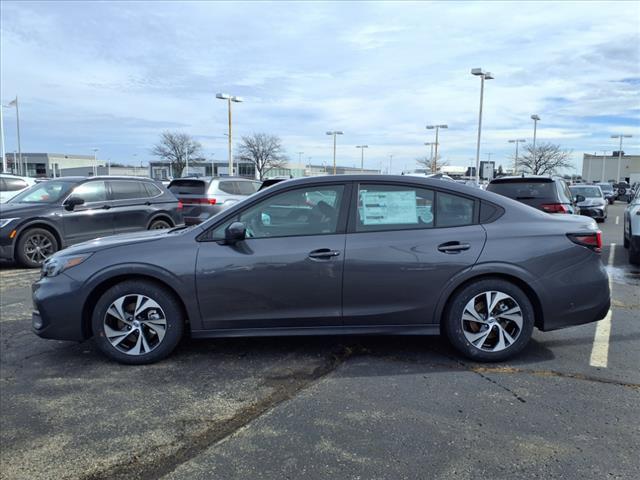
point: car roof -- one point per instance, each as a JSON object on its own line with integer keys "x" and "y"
{"x": 210, "y": 179}
{"x": 524, "y": 178}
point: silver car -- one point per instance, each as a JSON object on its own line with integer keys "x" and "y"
{"x": 203, "y": 197}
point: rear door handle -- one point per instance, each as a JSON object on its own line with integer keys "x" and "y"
{"x": 453, "y": 247}
{"x": 325, "y": 253}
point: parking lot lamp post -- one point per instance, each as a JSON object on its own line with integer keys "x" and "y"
{"x": 362, "y": 147}
{"x": 334, "y": 133}
{"x": 95, "y": 162}
{"x": 229, "y": 99}
{"x": 515, "y": 163}
{"x": 430, "y": 144}
{"x": 437, "y": 128}
{"x": 535, "y": 119}
{"x": 620, "y": 152}
{"x": 483, "y": 76}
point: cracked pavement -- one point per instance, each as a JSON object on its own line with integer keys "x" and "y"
{"x": 325, "y": 407}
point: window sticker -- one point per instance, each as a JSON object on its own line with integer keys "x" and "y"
{"x": 384, "y": 208}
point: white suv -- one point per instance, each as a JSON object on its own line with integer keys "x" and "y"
{"x": 11, "y": 185}
{"x": 632, "y": 229}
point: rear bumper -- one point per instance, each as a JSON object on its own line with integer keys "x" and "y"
{"x": 584, "y": 298}
{"x": 593, "y": 212}
{"x": 194, "y": 214}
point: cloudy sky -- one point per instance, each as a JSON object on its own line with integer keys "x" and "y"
{"x": 113, "y": 75}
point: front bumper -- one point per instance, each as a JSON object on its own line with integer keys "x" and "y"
{"x": 6, "y": 252}
{"x": 57, "y": 310}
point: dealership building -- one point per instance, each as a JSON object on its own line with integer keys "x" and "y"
{"x": 605, "y": 168}
{"x": 48, "y": 165}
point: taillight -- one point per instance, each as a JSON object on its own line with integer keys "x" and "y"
{"x": 589, "y": 240}
{"x": 555, "y": 208}
{"x": 199, "y": 201}
{"x": 180, "y": 205}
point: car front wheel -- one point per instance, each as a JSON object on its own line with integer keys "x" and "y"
{"x": 34, "y": 246}
{"x": 137, "y": 322}
{"x": 489, "y": 320}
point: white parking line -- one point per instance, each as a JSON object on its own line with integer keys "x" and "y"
{"x": 617, "y": 219}
{"x": 600, "y": 349}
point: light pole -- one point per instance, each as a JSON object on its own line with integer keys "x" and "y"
{"x": 95, "y": 162}
{"x": 14, "y": 103}
{"x": 213, "y": 163}
{"x": 434, "y": 160}
{"x": 604, "y": 154}
{"x": 430, "y": 144}
{"x": 229, "y": 99}
{"x": 515, "y": 163}
{"x": 621, "y": 136}
{"x": 334, "y": 133}
{"x": 362, "y": 147}
{"x": 390, "y": 160}
{"x": 483, "y": 76}
{"x": 535, "y": 119}
{"x": 4, "y": 158}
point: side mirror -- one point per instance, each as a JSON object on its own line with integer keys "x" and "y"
{"x": 580, "y": 198}
{"x": 72, "y": 202}
{"x": 235, "y": 233}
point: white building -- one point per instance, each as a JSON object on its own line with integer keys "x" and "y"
{"x": 604, "y": 168}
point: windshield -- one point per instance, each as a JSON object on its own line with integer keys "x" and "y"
{"x": 587, "y": 192}
{"x": 51, "y": 191}
{"x": 606, "y": 187}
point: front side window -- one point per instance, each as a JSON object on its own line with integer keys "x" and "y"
{"x": 91, "y": 191}
{"x": 394, "y": 207}
{"x": 305, "y": 211}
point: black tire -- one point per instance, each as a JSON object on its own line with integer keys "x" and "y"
{"x": 170, "y": 307}
{"x": 453, "y": 319}
{"x": 35, "y": 238}
{"x": 159, "y": 224}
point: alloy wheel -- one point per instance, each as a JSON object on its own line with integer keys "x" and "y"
{"x": 135, "y": 324}
{"x": 37, "y": 248}
{"x": 492, "y": 321}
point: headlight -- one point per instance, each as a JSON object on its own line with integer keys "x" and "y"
{"x": 5, "y": 221}
{"x": 56, "y": 265}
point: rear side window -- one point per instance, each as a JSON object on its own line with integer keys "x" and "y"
{"x": 13, "y": 184}
{"x": 152, "y": 190}
{"x": 228, "y": 187}
{"x": 127, "y": 190}
{"x": 453, "y": 210}
{"x": 187, "y": 187}
{"x": 524, "y": 190}
{"x": 394, "y": 207}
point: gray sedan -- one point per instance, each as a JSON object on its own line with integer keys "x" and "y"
{"x": 333, "y": 255}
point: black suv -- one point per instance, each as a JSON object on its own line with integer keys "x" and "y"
{"x": 549, "y": 194}
{"x": 57, "y": 213}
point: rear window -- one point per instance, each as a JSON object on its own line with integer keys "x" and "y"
{"x": 187, "y": 187}
{"x": 607, "y": 187}
{"x": 523, "y": 190}
{"x": 587, "y": 192}
{"x": 228, "y": 187}
{"x": 246, "y": 188}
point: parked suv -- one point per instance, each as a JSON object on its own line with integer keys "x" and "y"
{"x": 548, "y": 194}
{"x": 11, "y": 185}
{"x": 203, "y": 197}
{"x": 57, "y": 213}
{"x": 632, "y": 229}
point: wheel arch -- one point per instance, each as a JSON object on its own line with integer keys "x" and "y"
{"x": 105, "y": 284}
{"x": 529, "y": 291}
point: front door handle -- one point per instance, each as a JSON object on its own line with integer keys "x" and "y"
{"x": 324, "y": 253}
{"x": 453, "y": 247}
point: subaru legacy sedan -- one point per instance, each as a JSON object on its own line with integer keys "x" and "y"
{"x": 57, "y": 213}
{"x": 333, "y": 255}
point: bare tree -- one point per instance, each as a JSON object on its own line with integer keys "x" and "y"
{"x": 264, "y": 151}
{"x": 175, "y": 147}
{"x": 548, "y": 160}
{"x": 431, "y": 166}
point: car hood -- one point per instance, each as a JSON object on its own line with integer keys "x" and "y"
{"x": 104, "y": 243}
{"x": 21, "y": 210}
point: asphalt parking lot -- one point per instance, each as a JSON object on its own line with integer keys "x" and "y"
{"x": 329, "y": 407}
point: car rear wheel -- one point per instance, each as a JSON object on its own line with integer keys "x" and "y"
{"x": 159, "y": 225}
{"x": 34, "y": 246}
{"x": 489, "y": 320}
{"x": 137, "y": 322}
